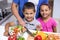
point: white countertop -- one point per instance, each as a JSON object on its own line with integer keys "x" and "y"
{"x": 1, "y": 34}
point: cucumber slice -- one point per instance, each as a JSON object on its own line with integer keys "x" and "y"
{"x": 12, "y": 28}
{"x": 21, "y": 38}
{"x": 20, "y": 27}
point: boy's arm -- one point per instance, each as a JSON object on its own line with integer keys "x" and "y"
{"x": 8, "y": 25}
{"x": 16, "y": 14}
{"x": 7, "y": 28}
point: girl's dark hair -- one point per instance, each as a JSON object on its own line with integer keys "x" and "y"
{"x": 46, "y": 5}
{"x": 29, "y": 5}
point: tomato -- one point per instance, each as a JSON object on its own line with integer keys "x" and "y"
{"x": 38, "y": 37}
{"x": 12, "y": 37}
{"x": 16, "y": 30}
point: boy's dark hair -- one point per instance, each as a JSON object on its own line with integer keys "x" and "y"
{"x": 29, "y": 5}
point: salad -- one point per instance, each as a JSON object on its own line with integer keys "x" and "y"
{"x": 16, "y": 33}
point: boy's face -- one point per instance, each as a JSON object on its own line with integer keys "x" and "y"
{"x": 29, "y": 14}
{"x": 45, "y": 11}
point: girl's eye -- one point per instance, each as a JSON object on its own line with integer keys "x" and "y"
{"x": 46, "y": 10}
{"x": 31, "y": 13}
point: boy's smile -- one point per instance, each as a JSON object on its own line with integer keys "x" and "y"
{"x": 29, "y": 14}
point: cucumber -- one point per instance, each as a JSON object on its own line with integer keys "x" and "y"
{"x": 20, "y": 27}
{"x": 21, "y": 38}
{"x": 12, "y": 28}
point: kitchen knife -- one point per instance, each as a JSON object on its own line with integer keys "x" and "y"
{"x": 29, "y": 32}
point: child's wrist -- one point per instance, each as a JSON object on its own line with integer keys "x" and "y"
{"x": 41, "y": 30}
{"x": 6, "y": 31}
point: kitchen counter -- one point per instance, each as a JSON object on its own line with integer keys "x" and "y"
{"x": 10, "y": 18}
{"x": 1, "y": 33}
{"x": 6, "y": 18}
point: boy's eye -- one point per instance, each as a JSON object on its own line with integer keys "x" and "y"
{"x": 26, "y": 13}
{"x": 42, "y": 10}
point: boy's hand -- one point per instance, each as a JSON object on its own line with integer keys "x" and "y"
{"x": 11, "y": 24}
{"x": 39, "y": 27}
{"x": 5, "y": 33}
{"x": 22, "y": 23}
{"x": 24, "y": 29}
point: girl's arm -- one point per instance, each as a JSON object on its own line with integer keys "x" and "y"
{"x": 39, "y": 27}
{"x": 54, "y": 29}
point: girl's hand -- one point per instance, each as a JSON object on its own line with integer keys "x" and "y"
{"x": 54, "y": 29}
{"x": 39, "y": 27}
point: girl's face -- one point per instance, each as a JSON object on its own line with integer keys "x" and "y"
{"x": 29, "y": 14}
{"x": 45, "y": 11}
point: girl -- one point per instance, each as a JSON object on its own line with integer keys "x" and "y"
{"x": 47, "y": 22}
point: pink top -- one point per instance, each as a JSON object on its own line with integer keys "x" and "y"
{"x": 47, "y": 26}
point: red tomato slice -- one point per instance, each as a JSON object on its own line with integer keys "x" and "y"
{"x": 38, "y": 37}
{"x": 12, "y": 38}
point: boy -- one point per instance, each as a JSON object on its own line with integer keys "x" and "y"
{"x": 29, "y": 13}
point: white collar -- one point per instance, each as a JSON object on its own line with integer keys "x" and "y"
{"x": 29, "y": 22}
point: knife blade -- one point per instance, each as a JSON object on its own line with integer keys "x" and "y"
{"x": 29, "y": 32}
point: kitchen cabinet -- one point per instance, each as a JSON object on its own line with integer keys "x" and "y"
{"x": 5, "y": 10}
